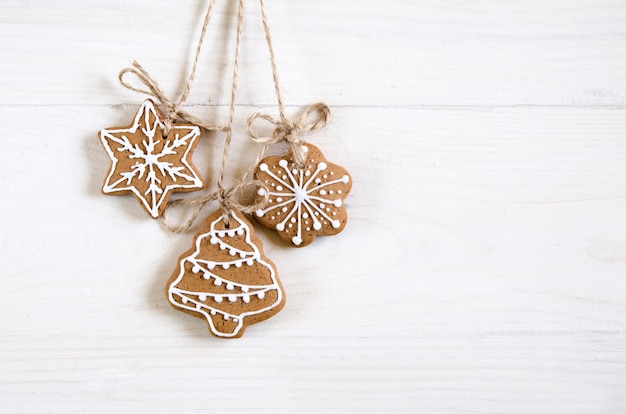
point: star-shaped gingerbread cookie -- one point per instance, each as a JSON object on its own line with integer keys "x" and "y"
{"x": 146, "y": 163}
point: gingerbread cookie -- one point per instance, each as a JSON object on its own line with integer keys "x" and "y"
{"x": 146, "y": 163}
{"x": 303, "y": 202}
{"x": 225, "y": 278}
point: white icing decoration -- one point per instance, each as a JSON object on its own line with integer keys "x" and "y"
{"x": 148, "y": 165}
{"x": 299, "y": 202}
{"x": 240, "y": 292}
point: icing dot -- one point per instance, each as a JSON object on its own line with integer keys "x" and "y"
{"x": 261, "y": 295}
{"x": 317, "y": 213}
{"x": 240, "y": 231}
{"x": 213, "y": 312}
{"x": 195, "y": 269}
{"x": 273, "y": 218}
{"x": 339, "y": 191}
{"x": 217, "y": 282}
{"x": 242, "y": 254}
{"x": 249, "y": 262}
{"x": 305, "y": 215}
{"x": 232, "y": 252}
{"x": 198, "y": 306}
{"x": 334, "y": 213}
{"x": 214, "y": 240}
{"x": 246, "y": 298}
{"x": 331, "y": 192}
{"x": 322, "y": 192}
{"x": 202, "y": 297}
{"x": 284, "y": 177}
{"x": 221, "y": 233}
{"x": 280, "y": 226}
{"x": 245, "y": 288}
{"x": 285, "y": 209}
{"x": 282, "y": 163}
{"x": 317, "y": 225}
{"x": 318, "y": 181}
{"x": 231, "y": 233}
{"x": 328, "y": 209}
{"x": 279, "y": 199}
{"x": 226, "y": 265}
{"x": 308, "y": 229}
{"x": 345, "y": 179}
{"x": 230, "y": 286}
{"x": 279, "y": 188}
{"x": 263, "y": 167}
{"x": 332, "y": 173}
{"x": 218, "y": 299}
{"x": 325, "y": 176}
{"x": 183, "y": 299}
{"x": 294, "y": 171}
{"x": 321, "y": 166}
{"x": 226, "y": 317}
{"x": 261, "y": 191}
{"x": 290, "y": 225}
{"x": 337, "y": 203}
{"x": 206, "y": 276}
{"x": 296, "y": 240}
{"x": 305, "y": 148}
{"x": 322, "y": 205}
{"x": 222, "y": 247}
{"x": 211, "y": 265}
{"x": 293, "y": 219}
{"x": 307, "y": 173}
{"x": 259, "y": 213}
{"x": 232, "y": 298}
{"x": 335, "y": 224}
{"x": 237, "y": 265}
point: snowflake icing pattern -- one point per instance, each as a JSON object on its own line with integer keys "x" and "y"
{"x": 147, "y": 164}
{"x": 303, "y": 202}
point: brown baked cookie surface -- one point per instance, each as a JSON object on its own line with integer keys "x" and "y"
{"x": 225, "y": 278}
{"x": 303, "y": 202}
{"x": 146, "y": 163}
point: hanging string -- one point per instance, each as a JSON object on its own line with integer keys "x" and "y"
{"x": 285, "y": 129}
{"x": 225, "y": 196}
{"x": 173, "y": 109}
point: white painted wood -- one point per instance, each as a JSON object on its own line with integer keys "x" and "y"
{"x": 483, "y": 269}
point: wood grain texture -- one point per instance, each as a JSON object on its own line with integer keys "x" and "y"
{"x": 483, "y": 268}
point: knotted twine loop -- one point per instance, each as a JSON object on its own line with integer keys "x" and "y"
{"x": 173, "y": 110}
{"x": 314, "y": 117}
{"x": 227, "y": 199}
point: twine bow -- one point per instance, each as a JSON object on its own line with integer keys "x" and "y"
{"x": 154, "y": 90}
{"x": 291, "y": 130}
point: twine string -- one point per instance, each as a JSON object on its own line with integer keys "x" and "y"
{"x": 226, "y": 197}
{"x": 285, "y": 129}
{"x": 314, "y": 117}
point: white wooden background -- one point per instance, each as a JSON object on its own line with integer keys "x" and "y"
{"x": 483, "y": 269}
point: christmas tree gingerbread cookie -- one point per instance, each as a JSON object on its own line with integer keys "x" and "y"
{"x": 147, "y": 162}
{"x": 225, "y": 277}
{"x": 304, "y": 201}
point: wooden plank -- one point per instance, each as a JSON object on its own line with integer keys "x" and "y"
{"x": 352, "y": 53}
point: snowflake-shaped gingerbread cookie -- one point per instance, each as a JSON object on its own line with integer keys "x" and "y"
{"x": 146, "y": 163}
{"x": 303, "y": 202}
